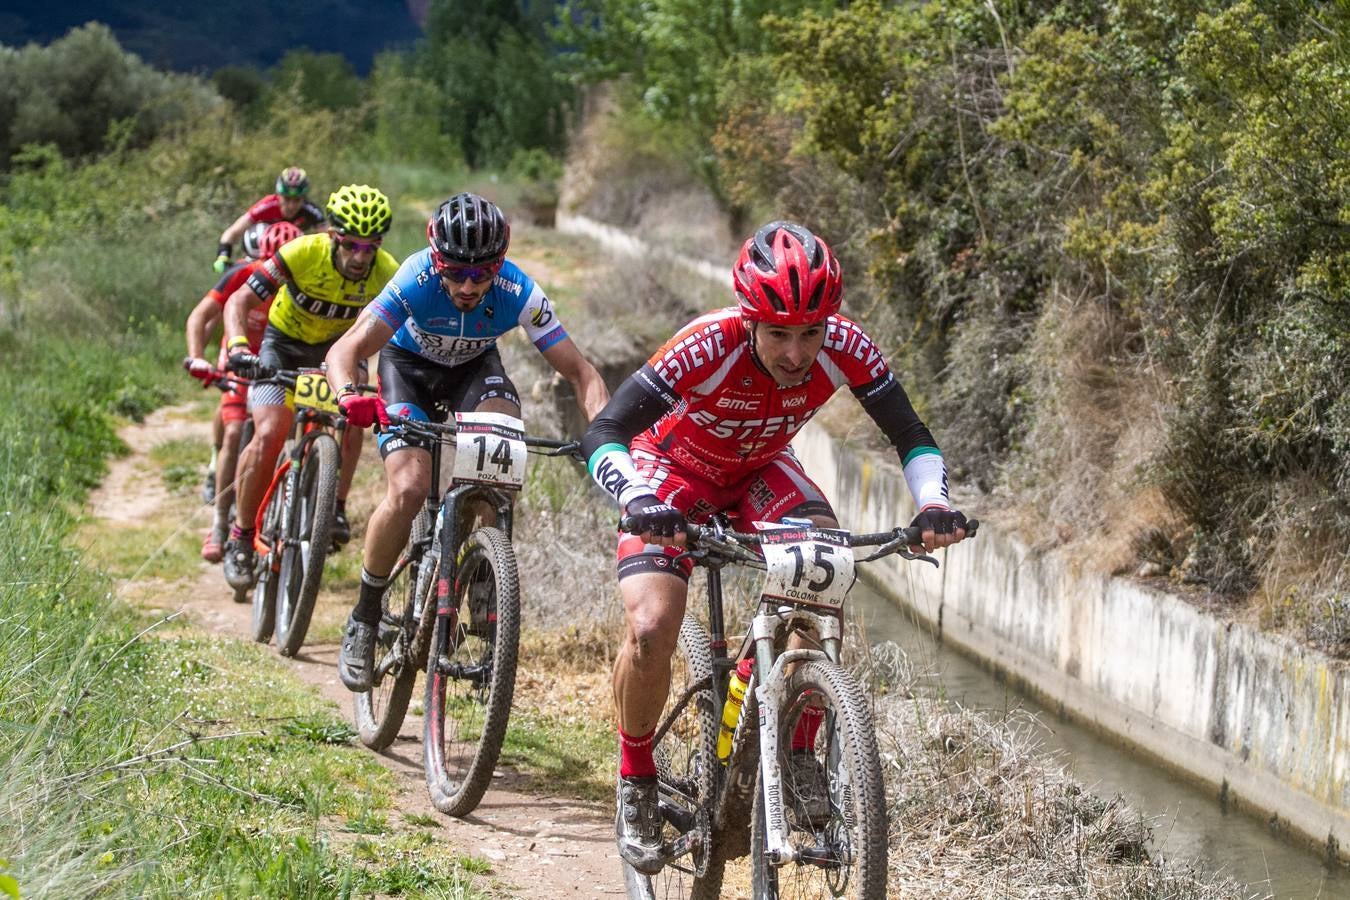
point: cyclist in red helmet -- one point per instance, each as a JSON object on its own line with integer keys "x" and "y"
{"x": 704, "y": 427}
{"x": 233, "y": 410}
{"x": 288, "y": 203}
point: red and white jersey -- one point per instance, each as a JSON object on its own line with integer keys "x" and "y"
{"x": 728, "y": 416}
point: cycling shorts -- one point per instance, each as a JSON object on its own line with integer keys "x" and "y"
{"x": 281, "y": 351}
{"x": 413, "y": 386}
{"x": 776, "y": 489}
{"x": 234, "y": 404}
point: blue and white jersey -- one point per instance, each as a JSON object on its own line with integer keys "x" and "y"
{"x": 425, "y": 321}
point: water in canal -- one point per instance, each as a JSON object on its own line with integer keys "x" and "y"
{"x": 1189, "y": 823}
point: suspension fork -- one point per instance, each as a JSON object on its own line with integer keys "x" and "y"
{"x": 771, "y": 696}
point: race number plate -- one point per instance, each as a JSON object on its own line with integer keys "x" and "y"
{"x": 313, "y": 390}
{"x": 490, "y": 449}
{"x": 811, "y": 566}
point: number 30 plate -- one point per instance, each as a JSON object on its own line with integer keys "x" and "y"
{"x": 312, "y": 390}
{"x": 490, "y": 449}
{"x": 812, "y": 566}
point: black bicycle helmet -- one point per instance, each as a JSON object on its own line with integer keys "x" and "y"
{"x": 467, "y": 230}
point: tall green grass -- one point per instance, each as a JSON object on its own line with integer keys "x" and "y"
{"x": 133, "y": 758}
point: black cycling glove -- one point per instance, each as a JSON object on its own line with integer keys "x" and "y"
{"x": 939, "y": 521}
{"x": 245, "y": 365}
{"x": 649, "y": 513}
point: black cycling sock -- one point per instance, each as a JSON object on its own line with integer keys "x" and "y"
{"x": 368, "y": 607}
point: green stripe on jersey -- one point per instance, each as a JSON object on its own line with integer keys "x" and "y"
{"x": 921, "y": 451}
{"x": 601, "y": 451}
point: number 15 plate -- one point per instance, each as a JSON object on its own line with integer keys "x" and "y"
{"x": 811, "y": 566}
{"x": 490, "y": 449}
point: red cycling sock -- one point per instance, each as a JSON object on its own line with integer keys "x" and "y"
{"x": 635, "y": 755}
{"x": 804, "y": 738}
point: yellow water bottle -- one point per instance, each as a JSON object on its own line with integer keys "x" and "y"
{"x": 731, "y": 712}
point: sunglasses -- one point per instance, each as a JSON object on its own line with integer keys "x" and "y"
{"x": 355, "y": 246}
{"x": 292, "y": 192}
{"x": 461, "y": 274}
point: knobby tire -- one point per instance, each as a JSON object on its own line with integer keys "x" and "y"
{"x": 312, "y": 525}
{"x": 468, "y": 706}
{"x": 846, "y": 746}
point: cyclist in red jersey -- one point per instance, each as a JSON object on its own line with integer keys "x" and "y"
{"x": 704, "y": 427}
{"x": 287, "y": 204}
{"x": 233, "y": 411}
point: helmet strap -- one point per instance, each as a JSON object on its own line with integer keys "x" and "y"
{"x": 752, "y": 328}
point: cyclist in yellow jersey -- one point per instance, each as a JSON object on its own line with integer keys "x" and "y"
{"x": 320, "y": 282}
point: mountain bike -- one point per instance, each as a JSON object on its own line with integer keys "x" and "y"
{"x": 295, "y": 519}
{"x": 453, "y": 608}
{"x": 805, "y": 800}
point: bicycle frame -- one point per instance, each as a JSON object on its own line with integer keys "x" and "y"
{"x": 307, "y": 425}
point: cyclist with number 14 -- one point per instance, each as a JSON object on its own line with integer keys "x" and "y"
{"x": 436, "y": 326}
{"x": 704, "y": 427}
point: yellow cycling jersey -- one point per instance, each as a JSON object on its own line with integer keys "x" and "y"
{"x": 314, "y": 303}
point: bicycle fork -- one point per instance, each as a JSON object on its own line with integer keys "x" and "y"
{"x": 771, "y": 695}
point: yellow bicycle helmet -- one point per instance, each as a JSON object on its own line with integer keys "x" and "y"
{"x": 359, "y": 210}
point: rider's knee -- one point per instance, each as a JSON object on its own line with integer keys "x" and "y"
{"x": 653, "y": 630}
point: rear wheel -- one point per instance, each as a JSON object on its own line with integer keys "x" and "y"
{"x": 381, "y": 710}
{"x": 471, "y": 672}
{"x": 833, "y": 799}
{"x": 306, "y": 547}
{"x": 688, "y": 768}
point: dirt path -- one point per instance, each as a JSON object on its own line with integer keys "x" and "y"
{"x": 539, "y": 845}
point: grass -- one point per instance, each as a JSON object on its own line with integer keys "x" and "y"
{"x": 142, "y": 758}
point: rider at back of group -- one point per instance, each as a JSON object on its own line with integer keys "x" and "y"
{"x": 704, "y": 427}
{"x": 321, "y": 283}
{"x": 287, "y": 204}
{"x": 436, "y": 326}
{"x": 232, "y": 412}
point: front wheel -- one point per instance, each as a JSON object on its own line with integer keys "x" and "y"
{"x": 833, "y": 797}
{"x": 306, "y": 542}
{"x": 265, "y": 587}
{"x": 380, "y": 711}
{"x": 688, "y": 772}
{"x": 471, "y": 671}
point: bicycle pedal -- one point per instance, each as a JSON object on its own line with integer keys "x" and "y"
{"x": 681, "y": 846}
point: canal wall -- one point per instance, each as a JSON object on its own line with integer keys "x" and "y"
{"x": 1262, "y": 720}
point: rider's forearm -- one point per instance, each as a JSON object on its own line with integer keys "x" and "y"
{"x": 343, "y": 367}
{"x": 925, "y": 471}
{"x": 236, "y": 229}
{"x": 241, "y": 303}
{"x": 633, "y": 408}
{"x": 590, "y": 391}
{"x": 199, "y": 325}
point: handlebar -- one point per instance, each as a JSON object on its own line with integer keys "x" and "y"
{"x": 437, "y": 431}
{"x": 733, "y": 546}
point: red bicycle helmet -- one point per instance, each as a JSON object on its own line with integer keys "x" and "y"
{"x": 277, "y": 235}
{"x": 787, "y": 276}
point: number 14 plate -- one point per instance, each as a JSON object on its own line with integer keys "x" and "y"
{"x": 490, "y": 449}
{"x": 812, "y": 566}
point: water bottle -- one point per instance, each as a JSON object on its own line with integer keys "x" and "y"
{"x": 731, "y": 712}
